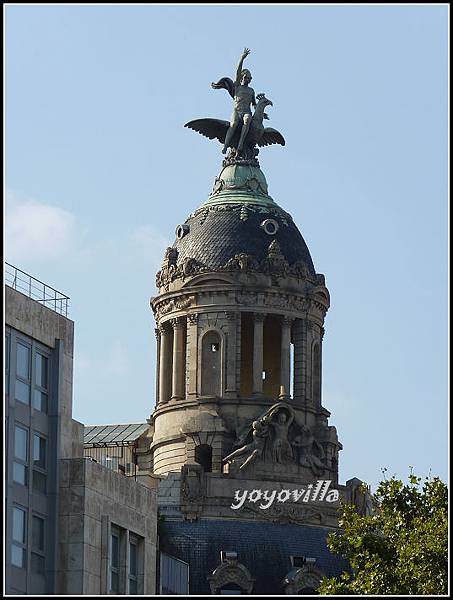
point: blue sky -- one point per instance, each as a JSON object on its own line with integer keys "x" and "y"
{"x": 99, "y": 171}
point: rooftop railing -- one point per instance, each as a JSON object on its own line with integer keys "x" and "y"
{"x": 35, "y": 289}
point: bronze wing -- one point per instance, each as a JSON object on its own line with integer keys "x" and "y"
{"x": 210, "y": 128}
{"x": 271, "y": 136}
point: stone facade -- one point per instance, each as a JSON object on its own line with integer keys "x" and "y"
{"x": 93, "y": 499}
{"x": 240, "y": 326}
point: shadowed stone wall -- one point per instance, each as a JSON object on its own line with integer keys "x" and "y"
{"x": 93, "y": 499}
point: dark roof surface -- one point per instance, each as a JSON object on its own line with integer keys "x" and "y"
{"x": 264, "y": 548}
{"x": 113, "y": 434}
{"x": 215, "y": 236}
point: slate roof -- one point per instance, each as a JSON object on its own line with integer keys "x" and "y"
{"x": 264, "y": 548}
{"x": 105, "y": 435}
{"x": 215, "y": 236}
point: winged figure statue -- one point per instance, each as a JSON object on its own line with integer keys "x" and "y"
{"x": 244, "y": 131}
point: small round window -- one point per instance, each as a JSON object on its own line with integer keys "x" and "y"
{"x": 270, "y": 226}
{"x": 181, "y": 231}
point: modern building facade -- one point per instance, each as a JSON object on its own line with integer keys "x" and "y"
{"x": 72, "y": 526}
{"x": 40, "y": 431}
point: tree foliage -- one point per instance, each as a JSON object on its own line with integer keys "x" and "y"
{"x": 402, "y": 548}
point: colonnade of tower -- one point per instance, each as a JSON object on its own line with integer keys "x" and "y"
{"x": 269, "y": 356}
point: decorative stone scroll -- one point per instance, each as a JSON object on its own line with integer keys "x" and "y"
{"x": 274, "y": 264}
{"x": 230, "y": 571}
{"x": 192, "y": 490}
{"x": 303, "y": 578}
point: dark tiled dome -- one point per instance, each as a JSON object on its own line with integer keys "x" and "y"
{"x": 215, "y": 234}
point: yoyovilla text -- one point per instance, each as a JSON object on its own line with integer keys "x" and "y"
{"x": 319, "y": 492}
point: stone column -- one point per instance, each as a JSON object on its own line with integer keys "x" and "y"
{"x": 285, "y": 354}
{"x": 258, "y": 353}
{"x": 192, "y": 353}
{"x": 157, "y": 332}
{"x": 178, "y": 359}
{"x": 164, "y": 363}
{"x": 231, "y": 354}
{"x": 300, "y": 359}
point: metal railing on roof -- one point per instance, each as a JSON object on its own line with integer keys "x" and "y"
{"x": 36, "y": 289}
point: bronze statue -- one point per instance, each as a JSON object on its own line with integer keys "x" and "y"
{"x": 244, "y": 131}
{"x": 243, "y": 97}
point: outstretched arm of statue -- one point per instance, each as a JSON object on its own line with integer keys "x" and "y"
{"x": 239, "y": 68}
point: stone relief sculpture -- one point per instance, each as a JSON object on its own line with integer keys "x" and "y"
{"x": 255, "y": 449}
{"x": 310, "y": 452}
{"x": 244, "y": 131}
{"x": 281, "y": 448}
{"x": 191, "y": 485}
{"x": 278, "y": 441}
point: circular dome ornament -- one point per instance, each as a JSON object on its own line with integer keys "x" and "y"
{"x": 181, "y": 231}
{"x": 270, "y": 226}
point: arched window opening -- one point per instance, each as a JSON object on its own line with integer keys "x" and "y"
{"x": 203, "y": 456}
{"x": 231, "y": 589}
{"x": 211, "y": 365}
{"x": 272, "y": 355}
{"x": 246, "y": 388}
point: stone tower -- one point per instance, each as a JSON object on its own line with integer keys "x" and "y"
{"x": 240, "y": 323}
{"x": 240, "y": 316}
{"x": 239, "y": 435}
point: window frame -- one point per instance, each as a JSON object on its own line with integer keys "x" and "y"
{"x": 17, "y": 543}
{"x": 36, "y": 551}
{"x": 17, "y": 460}
{"x": 134, "y": 541}
{"x": 114, "y": 570}
{"x": 37, "y": 387}
{"x": 18, "y": 377}
{"x": 42, "y": 471}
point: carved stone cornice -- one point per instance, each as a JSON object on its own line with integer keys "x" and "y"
{"x": 287, "y": 321}
{"x": 163, "y": 328}
{"x": 177, "y": 322}
{"x": 231, "y": 315}
{"x": 165, "y": 306}
{"x": 192, "y": 318}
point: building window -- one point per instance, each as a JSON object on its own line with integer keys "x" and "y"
{"x": 37, "y": 554}
{"x": 20, "y": 468}
{"x": 114, "y": 560}
{"x": 39, "y": 463}
{"x": 211, "y": 363}
{"x": 133, "y": 565}
{"x": 41, "y": 387}
{"x": 231, "y": 589}
{"x": 18, "y": 546}
{"x": 203, "y": 456}
{"x": 7, "y": 361}
{"x": 22, "y": 391}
